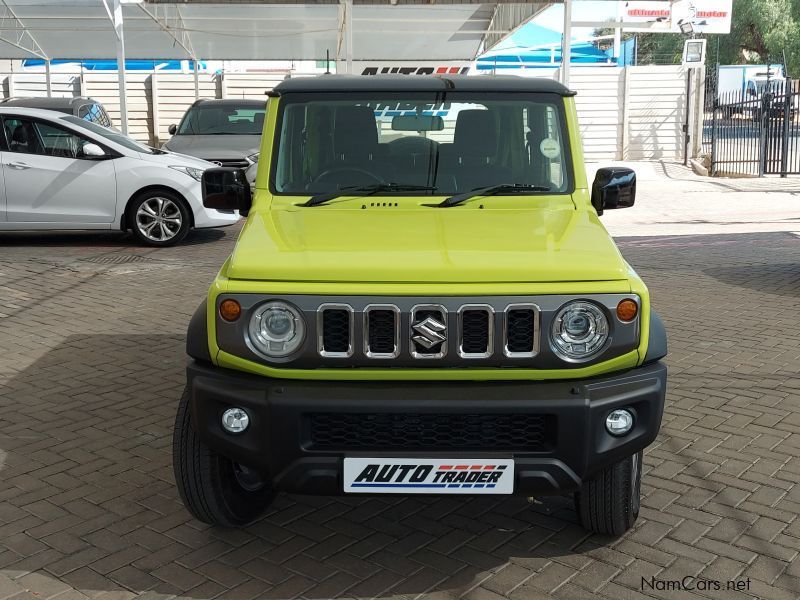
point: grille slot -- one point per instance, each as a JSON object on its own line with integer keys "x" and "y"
{"x": 335, "y": 330}
{"x": 521, "y": 324}
{"x": 476, "y": 325}
{"x": 432, "y": 431}
{"x": 382, "y": 326}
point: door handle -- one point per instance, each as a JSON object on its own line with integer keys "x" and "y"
{"x": 18, "y": 165}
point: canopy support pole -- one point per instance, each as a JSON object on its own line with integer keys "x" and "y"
{"x": 345, "y": 36}
{"x": 566, "y": 43}
{"x": 116, "y": 18}
{"x": 196, "y": 81}
{"x": 48, "y": 81}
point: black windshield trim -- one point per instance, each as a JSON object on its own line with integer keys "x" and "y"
{"x": 440, "y": 96}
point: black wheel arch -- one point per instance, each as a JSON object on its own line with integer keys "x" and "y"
{"x": 657, "y": 340}
{"x": 197, "y": 335}
{"x": 123, "y": 220}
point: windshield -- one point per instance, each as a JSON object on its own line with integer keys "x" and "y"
{"x": 112, "y": 135}
{"x": 454, "y": 142}
{"x": 223, "y": 119}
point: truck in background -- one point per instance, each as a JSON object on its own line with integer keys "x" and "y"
{"x": 741, "y": 89}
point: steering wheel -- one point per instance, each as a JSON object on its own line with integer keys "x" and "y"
{"x": 337, "y": 172}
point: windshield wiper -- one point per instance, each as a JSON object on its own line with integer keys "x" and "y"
{"x": 366, "y": 190}
{"x": 490, "y": 191}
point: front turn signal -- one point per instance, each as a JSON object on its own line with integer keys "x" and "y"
{"x": 230, "y": 310}
{"x": 627, "y": 310}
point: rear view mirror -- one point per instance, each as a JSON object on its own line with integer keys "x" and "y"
{"x": 613, "y": 187}
{"x": 172, "y": 129}
{"x": 417, "y": 123}
{"x": 226, "y": 188}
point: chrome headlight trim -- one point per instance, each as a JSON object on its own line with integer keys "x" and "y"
{"x": 272, "y": 344}
{"x": 579, "y": 314}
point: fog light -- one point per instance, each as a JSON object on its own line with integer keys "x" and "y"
{"x": 235, "y": 420}
{"x": 619, "y": 422}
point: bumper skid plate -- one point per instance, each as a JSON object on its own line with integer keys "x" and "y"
{"x": 319, "y": 437}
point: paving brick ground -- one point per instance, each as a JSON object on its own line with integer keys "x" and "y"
{"x": 91, "y": 358}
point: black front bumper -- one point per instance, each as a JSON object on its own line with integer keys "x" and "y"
{"x": 300, "y": 431}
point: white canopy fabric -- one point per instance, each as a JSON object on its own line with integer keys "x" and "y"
{"x": 83, "y": 29}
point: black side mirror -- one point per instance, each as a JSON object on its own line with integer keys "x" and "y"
{"x": 613, "y": 187}
{"x": 172, "y": 129}
{"x": 226, "y": 188}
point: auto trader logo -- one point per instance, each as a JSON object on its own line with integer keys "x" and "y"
{"x": 427, "y": 476}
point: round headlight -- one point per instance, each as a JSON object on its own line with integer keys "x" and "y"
{"x": 277, "y": 329}
{"x": 579, "y": 331}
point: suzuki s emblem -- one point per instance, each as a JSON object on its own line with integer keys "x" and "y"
{"x": 429, "y": 332}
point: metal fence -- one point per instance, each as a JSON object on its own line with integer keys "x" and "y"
{"x": 753, "y": 131}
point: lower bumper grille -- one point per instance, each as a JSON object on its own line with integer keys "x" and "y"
{"x": 433, "y": 432}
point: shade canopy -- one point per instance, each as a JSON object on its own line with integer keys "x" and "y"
{"x": 401, "y": 30}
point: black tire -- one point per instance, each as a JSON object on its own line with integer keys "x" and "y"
{"x": 608, "y": 503}
{"x": 175, "y": 209}
{"x": 208, "y": 482}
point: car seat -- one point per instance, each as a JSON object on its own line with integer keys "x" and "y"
{"x": 471, "y": 160}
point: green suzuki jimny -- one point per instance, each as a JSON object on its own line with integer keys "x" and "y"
{"x": 422, "y": 301}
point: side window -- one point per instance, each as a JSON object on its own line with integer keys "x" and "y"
{"x": 22, "y": 136}
{"x": 33, "y": 137}
{"x": 95, "y": 114}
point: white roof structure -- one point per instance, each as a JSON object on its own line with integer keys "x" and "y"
{"x": 242, "y": 30}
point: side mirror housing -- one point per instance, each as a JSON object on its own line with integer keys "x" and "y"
{"x": 226, "y": 188}
{"x": 613, "y": 187}
{"x": 90, "y": 150}
{"x": 172, "y": 129}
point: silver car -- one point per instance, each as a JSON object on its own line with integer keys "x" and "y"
{"x": 225, "y": 132}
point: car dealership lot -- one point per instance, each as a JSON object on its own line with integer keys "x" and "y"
{"x": 91, "y": 359}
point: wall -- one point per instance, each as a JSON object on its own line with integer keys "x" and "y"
{"x": 630, "y": 113}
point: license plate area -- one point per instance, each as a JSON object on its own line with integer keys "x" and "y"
{"x": 428, "y": 476}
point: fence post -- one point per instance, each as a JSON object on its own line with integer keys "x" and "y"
{"x": 766, "y": 103}
{"x": 700, "y": 102}
{"x": 625, "y": 113}
{"x": 714, "y": 106}
{"x": 223, "y": 85}
{"x": 154, "y": 103}
{"x": 788, "y": 102}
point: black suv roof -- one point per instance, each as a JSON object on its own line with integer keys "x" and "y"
{"x": 421, "y": 83}
{"x": 49, "y": 103}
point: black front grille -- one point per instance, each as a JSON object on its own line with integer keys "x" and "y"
{"x": 424, "y": 431}
{"x": 520, "y": 330}
{"x": 381, "y": 331}
{"x": 475, "y": 332}
{"x": 336, "y": 330}
{"x": 239, "y": 163}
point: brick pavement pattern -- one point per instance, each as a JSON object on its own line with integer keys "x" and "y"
{"x": 91, "y": 367}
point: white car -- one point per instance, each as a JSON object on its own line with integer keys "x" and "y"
{"x": 61, "y": 172}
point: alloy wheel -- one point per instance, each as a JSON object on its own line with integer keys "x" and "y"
{"x": 159, "y": 219}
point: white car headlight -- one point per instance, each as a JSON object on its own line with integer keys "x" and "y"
{"x": 277, "y": 329}
{"x": 196, "y": 174}
{"x": 579, "y": 331}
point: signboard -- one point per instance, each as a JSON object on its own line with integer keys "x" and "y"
{"x": 706, "y": 16}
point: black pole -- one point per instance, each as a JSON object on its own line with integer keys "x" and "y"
{"x": 787, "y": 117}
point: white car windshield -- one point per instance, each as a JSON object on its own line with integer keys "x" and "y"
{"x": 111, "y": 135}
